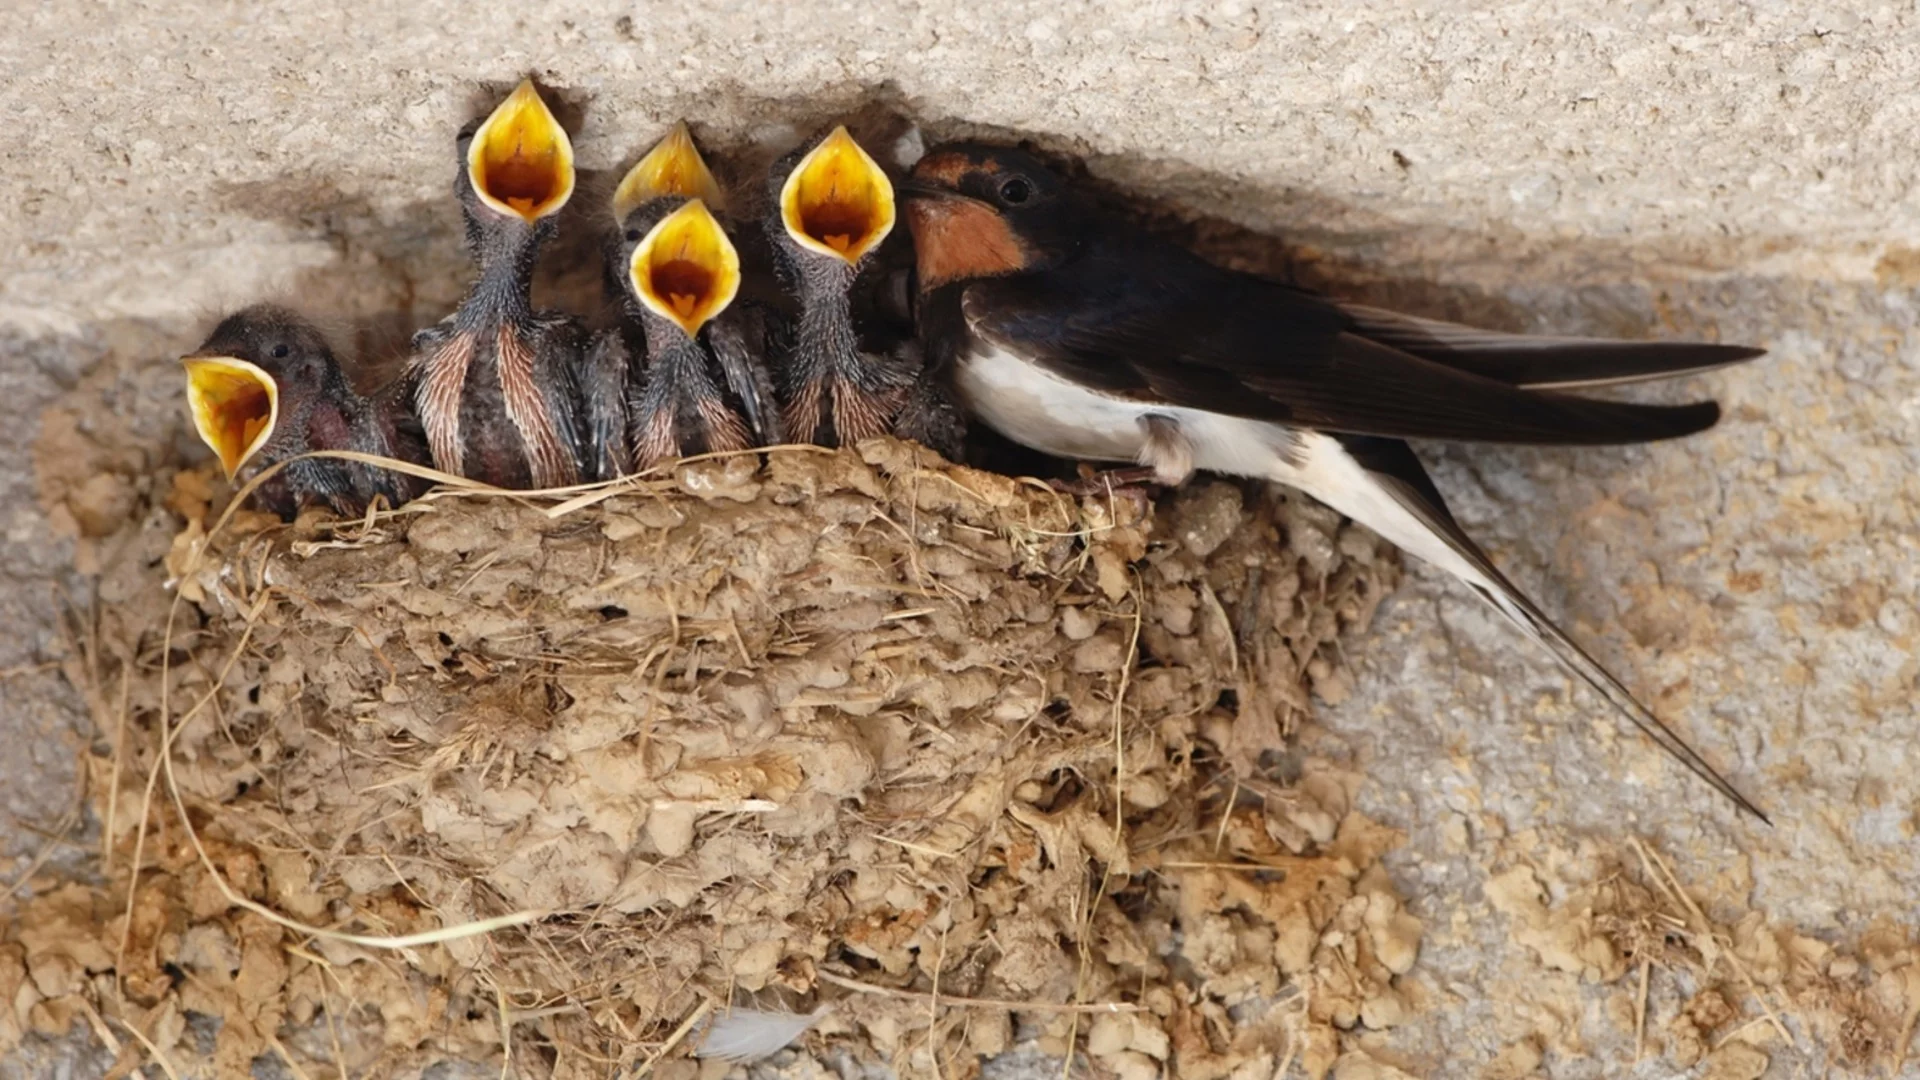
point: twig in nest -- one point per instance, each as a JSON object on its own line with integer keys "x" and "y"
{"x": 1739, "y": 1031}
{"x": 506, "y": 1031}
{"x": 292, "y": 1065}
{"x": 1640, "y": 1013}
{"x": 1905, "y": 1037}
{"x": 1670, "y": 885}
{"x": 601, "y": 491}
{"x": 119, "y": 757}
{"x": 1119, "y": 722}
{"x": 1226, "y": 816}
{"x": 102, "y": 1032}
{"x": 679, "y": 1035}
{"x": 1238, "y": 867}
{"x": 1214, "y": 605}
{"x": 931, "y": 853}
{"x": 1296, "y": 1037}
{"x": 54, "y": 838}
{"x": 153, "y": 1051}
{"x": 1119, "y": 814}
{"x": 859, "y": 987}
{"x": 171, "y": 730}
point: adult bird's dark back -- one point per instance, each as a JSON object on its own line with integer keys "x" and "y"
{"x": 496, "y": 382}
{"x": 1075, "y": 334}
{"x": 265, "y": 387}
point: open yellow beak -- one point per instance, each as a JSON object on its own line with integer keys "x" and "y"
{"x": 672, "y": 167}
{"x": 234, "y": 404}
{"x": 521, "y": 161}
{"x": 686, "y": 269}
{"x": 837, "y": 201}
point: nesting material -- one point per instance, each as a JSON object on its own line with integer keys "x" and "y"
{"x": 1730, "y": 995}
{"x": 946, "y": 760}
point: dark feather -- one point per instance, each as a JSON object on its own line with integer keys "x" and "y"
{"x": 1142, "y": 319}
{"x": 1542, "y": 361}
{"x": 604, "y": 378}
{"x": 1398, "y": 471}
{"x": 742, "y": 339}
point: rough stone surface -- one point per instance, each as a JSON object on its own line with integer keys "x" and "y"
{"x": 1745, "y": 170}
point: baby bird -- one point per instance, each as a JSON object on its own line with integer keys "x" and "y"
{"x": 496, "y": 382}
{"x": 631, "y": 390}
{"x": 682, "y": 273}
{"x": 265, "y": 387}
{"x": 832, "y": 205}
{"x": 673, "y": 167}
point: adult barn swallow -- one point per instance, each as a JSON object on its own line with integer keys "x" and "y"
{"x": 496, "y": 381}
{"x": 832, "y": 205}
{"x": 1075, "y": 335}
{"x": 265, "y": 387}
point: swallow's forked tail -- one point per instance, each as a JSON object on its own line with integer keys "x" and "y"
{"x": 1515, "y": 605}
{"x": 1381, "y": 484}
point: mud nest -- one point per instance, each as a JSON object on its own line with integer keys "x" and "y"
{"x": 943, "y": 761}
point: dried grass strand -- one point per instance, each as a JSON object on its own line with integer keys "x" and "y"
{"x": 1640, "y": 1012}
{"x": 1001, "y": 1004}
{"x": 159, "y": 1057}
{"x": 172, "y": 730}
{"x": 1671, "y": 885}
{"x": 679, "y": 1036}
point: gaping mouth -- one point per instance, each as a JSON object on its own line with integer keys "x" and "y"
{"x": 234, "y": 404}
{"x": 521, "y": 161}
{"x": 686, "y": 269}
{"x": 672, "y": 167}
{"x": 837, "y": 201}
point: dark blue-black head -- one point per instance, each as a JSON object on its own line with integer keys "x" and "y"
{"x": 978, "y": 210}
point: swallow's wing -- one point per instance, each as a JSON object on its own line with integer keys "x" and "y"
{"x": 1538, "y": 361}
{"x": 1407, "y": 508}
{"x": 741, "y": 340}
{"x": 1153, "y": 323}
{"x": 405, "y": 439}
{"x": 603, "y": 395}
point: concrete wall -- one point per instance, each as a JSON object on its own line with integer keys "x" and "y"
{"x": 1739, "y": 170}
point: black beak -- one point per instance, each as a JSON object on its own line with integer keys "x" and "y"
{"x": 914, "y": 189}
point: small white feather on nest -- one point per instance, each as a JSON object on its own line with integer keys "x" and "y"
{"x": 742, "y": 1036}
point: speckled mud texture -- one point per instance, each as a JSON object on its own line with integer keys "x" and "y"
{"x": 1742, "y": 172}
{"x": 835, "y": 735}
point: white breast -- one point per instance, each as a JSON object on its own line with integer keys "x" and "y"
{"x": 1036, "y": 408}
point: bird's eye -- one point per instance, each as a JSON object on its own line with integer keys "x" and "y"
{"x": 632, "y": 235}
{"x": 280, "y": 352}
{"x": 1015, "y": 190}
